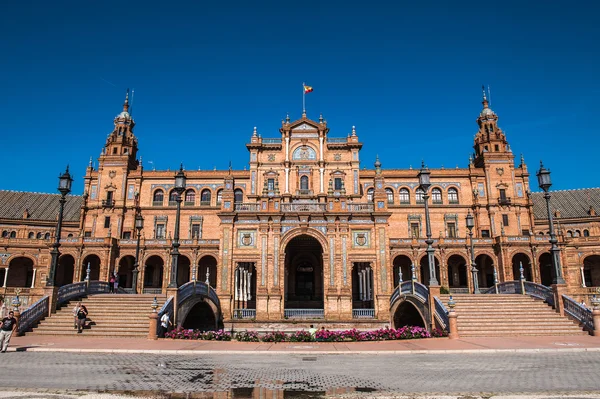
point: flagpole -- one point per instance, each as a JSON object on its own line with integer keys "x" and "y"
{"x": 303, "y": 100}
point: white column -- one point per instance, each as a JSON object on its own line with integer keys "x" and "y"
{"x": 321, "y": 149}
{"x": 235, "y": 289}
{"x": 360, "y": 285}
{"x": 245, "y": 286}
{"x": 249, "y": 286}
{"x": 287, "y": 180}
{"x": 582, "y": 278}
{"x": 287, "y": 149}
{"x": 321, "y": 172}
{"x": 370, "y": 284}
{"x": 33, "y": 279}
{"x": 5, "y": 277}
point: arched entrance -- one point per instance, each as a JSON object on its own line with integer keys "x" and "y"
{"x": 406, "y": 314}
{"x": 591, "y": 271}
{"x": 425, "y": 270}
{"x": 153, "y": 272}
{"x": 457, "y": 272}
{"x": 546, "y": 269}
{"x": 65, "y": 270}
{"x": 485, "y": 271}
{"x": 200, "y": 317}
{"x": 126, "y": 271}
{"x": 20, "y": 272}
{"x": 518, "y": 260}
{"x": 304, "y": 273}
{"x": 404, "y": 264}
{"x": 183, "y": 270}
{"x": 207, "y": 264}
{"x": 94, "y": 265}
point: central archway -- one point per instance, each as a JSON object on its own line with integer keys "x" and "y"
{"x": 304, "y": 273}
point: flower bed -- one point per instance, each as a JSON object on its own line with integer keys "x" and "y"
{"x": 383, "y": 334}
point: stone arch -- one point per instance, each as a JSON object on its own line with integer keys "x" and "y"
{"x": 304, "y": 270}
{"x": 518, "y": 259}
{"x": 208, "y": 263}
{"x": 205, "y": 196}
{"x": 20, "y": 272}
{"x": 485, "y": 270}
{"x": 546, "y": 269}
{"x": 402, "y": 262}
{"x": 591, "y": 270}
{"x": 153, "y": 271}
{"x": 183, "y": 270}
{"x": 125, "y": 271}
{"x": 457, "y": 271}
{"x": 65, "y": 270}
{"x": 298, "y": 231}
{"x": 405, "y": 313}
{"x": 424, "y": 269}
{"x": 199, "y": 312}
{"x": 94, "y": 263}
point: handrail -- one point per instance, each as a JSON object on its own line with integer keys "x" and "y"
{"x": 418, "y": 290}
{"x": 166, "y": 307}
{"x": 98, "y": 287}
{"x": 70, "y": 291}
{"x": 539, "y": 291}
{"x": 507, "y": 287}
{"x": 33, "y": 314}
{"x": 194, "y": 288}
{"x": 579, "y": 312}
{"x": 441, "y": 313}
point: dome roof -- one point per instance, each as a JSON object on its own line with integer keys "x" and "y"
{"x": 487, "y": 113}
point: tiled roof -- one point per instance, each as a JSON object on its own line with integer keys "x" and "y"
{"x": 570, "y": 203}
{"x": 39, "y": 206}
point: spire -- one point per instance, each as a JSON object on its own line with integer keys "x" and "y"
{"x": 485, "y": 100}
{"x": 126, "y": 103}
{"x": 320, "y": 118}
{"x": 90, "y": 164}
{"x": 254, "y": 134}
{"x": 377, "y": 165}
{"x": 353, "y": 130}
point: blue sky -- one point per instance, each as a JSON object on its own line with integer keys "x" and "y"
{"x": 407, "y": 75}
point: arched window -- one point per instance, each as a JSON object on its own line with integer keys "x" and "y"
{"x": 31, "y": 235}
{"x": 419, "y": 195}
{"x": 452, "y": 196}
{"x": 569, "y": 233}
{"x": 47, "y": 236}
{"x": 541, "y": 233}
{"x": 370, "y": 194}
{"x": 586, "y": 233}
{"x": 190, "y": 197}
{"x": 577, "y": 233}
{"x": 13, "y": 234}
{"x": 158, "y": 198}
{"x": 38, "y": 236}
{"x": 70, "y": 235}
{"x": 404, "y": 196}
{"x": 304, "y": 183}
{"x": 238, "y": 195}
{"x": 219, "y": 197}
{"x": 5, "y": 234}
{"x": 205, "y": 197}
{"x": 390, "y": 195}
{"x": 436, "y": 196}
{"x": 173, "y": 198}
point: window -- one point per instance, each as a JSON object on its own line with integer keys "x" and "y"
{"x": 205, "y": 197}
{"x": 270, "y": 184}
{"x": 38, "y": 236}
{"x": 505, "y": 220}
{"x": 496, "y": 147}
{"x": 87, "y": 234}
{"x": 160, "y": 230}
{"x": 195, "y": 231}
{"x": 173, "y": 198}
{"x": 370, "y": 195}
{"x": 47, "y": 236}
{"x": 586, "y": 233}
{"x": 569, "y": 233}
{"x": 414, "y": 230}
{"x": 485, "y": 233}
{"x": 304, "y": 183}
{"x": 70, "y": 235}
{"x": 190, "y": 197}
{"x": 13, "y": 234}
{"x": 525, "y": 232}
{"x": 31, "y": 235}
{"x": 337, "y": 183}
{"x": 451, "y": 229}
{"x": 404, "y": 196}
{"x": 502, "y": 194}
{"x": 158, "y": 198}
{"x": 109, "y": 197}
{"x": 419, "y": 196}
{"x": 577, "y": 233}
{"x": 238, "y": 195}
{"x": 106, "y": 222}
{"x": 219, "y": 197}
{"x": 491, "y": 128}
{"x": 127, "y": 235}
{"x": 5, "y": 234}
{"x": 115, "y": 150}
{"x": 452, "y": 196}
{"x": 390, "y": 195}
{"x": 436, "y": 196}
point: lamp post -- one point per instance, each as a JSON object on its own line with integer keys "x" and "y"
{"x": 139, "y": 225}
{"x": 64, "y": 186}
{"x": 179, "y": 189}
{"x": 544, "y": 182}
{"x": 470, "y": 225}
{"x": 424, "y": 183}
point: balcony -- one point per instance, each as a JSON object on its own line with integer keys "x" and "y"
{"x": 244, "y": 313}
{"x": 361, "y": 207}
{"x": 172, "y": 203}
{"x": 204, "y": 203}
{"x": 157, "y": 203}
{"x": 303, "y": 207}
{"x": 108, "y": 203}
{"x": 247, "y": 207}
{"x": 271, "y": 141}
{"x": 189, "y": 203}
{"x": 308, "y": 193}
{"x": 363, "y": 313}
{"x": 504, "y": 201}
{"x": 304, "y": 313}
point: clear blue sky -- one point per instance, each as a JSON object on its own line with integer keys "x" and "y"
{"x": 407, "y": 74}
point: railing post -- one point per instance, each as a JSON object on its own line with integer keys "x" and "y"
{"x": 452, "y": 327}
{"x": 559, "y": 290}
{"x": 52, "y": 293}
{"x": 153, "y": 321}
{"x": 596, "y": 315}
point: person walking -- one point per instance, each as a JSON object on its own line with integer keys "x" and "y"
{"x": 116, "y": 291}
{"x": 75, "y": 311}
{"x": 9, "y": 325}
{"x": 165, "y": 321}
{"x": 81, "y": 316}
{"x": 111, "y": 284}
{"x": 313, "y": 331}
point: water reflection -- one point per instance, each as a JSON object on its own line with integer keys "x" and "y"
{"x": 263, "y": 393}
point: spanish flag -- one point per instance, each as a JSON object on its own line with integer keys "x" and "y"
{"x": 307, "y": 89}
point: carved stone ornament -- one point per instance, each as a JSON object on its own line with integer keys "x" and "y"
{"x": 500, "y": 171}
{"x": 337, "y": 157}
{"x": 247, "y": 239}
{"x": 361, "y": 239}
{"x": 112, "y": 173}
{"x": 271, "y": 157}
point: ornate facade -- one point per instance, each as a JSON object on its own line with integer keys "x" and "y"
{"x": 304, "y": 228}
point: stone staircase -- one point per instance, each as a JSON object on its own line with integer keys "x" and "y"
{"x": 508, "y": 315}
{"x": 110, "y": 315}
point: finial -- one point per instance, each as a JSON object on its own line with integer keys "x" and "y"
{"x": 522, "y": 160}
{"x": 126, "y": 103}
{"x": 470, "y": 159}
{"x": 90, "y": 164}
{"x": 321, "y": 118}
{"x": 230, "y": 167}
{"x": 287, "y": 117}
{"x": 422, "y": 164}
{"x": 483, "y": 90}
{"x": 353, "y": 130}
{"x": 67, "y": 171}
{"x": 254, "y": 133}
{"x": 181, "y": 167}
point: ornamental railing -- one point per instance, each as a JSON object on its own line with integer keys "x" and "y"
{"x": 579, "y": 312}
{"x": 197, "y": 288}
{"x": 361, "y": 207}
{"x": 363, "y": 313}
{"x": 508, "y": 287}
{"x": 246, "y": 207}
{"x": 539, "y": 291}
{"x": 244, "y": 313}
{"x": 441, "y": 313}
{"x": 167, "y": 307}
{"x": 303, "y": 207}
{"x": 304, "y": 313}
{"x": 271, "y": 141}
{"x": 337, "y": 140}
{"x": 411, "y": 287}
{"x": 33, "y": 314}
{"x": 71, "y": 291}
{"x": 98, "y": 287}
{"x": 152, "y": 291}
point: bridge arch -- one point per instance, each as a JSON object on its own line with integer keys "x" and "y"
{"x": 199, "y": 307}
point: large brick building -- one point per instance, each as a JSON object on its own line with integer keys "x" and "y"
{"x": 304, "y": 227}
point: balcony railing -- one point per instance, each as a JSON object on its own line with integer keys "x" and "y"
{"x": 271, "y": 141}
{"x": 337, "y": 140}
{"x": 108, "y": 203}
{"x": 247, "y": 207}
{"x": 204, "y": 203}
{"x": 172, "y": 203}
{"x": 244, "y": 313}
{"x": 363, "y": 313}
{"x": 157, "y": 203}
{"x": 303, "y": 207}
{"x": 504, "y": 201}
{"x": 153, "y": 291}
{"x": 189, "y": 203}
{"x": 304, "y": 313}
{"x": 361, "y": 207}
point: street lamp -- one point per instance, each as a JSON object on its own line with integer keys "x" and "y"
{"x": 470, "y": 225}
{"x": 424, "y": 184}
{"x": 179, "y": 189}
{"x": 544, "y": 182}
{"x": 64, "y": 187}
{"x": 139, "y": 225}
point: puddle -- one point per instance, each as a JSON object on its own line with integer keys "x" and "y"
{"x": 566, "y": 344}
{"x": 253, "y": 393}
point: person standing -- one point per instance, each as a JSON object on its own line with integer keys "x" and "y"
{"x": 111, "y": 284}
{"x": 81, "y": 316}
{"x": 313, "y": 331}
{"x": 75, "y": 311}
{"x": 116, "y": 291}
{"x": 165, "y": 321}
{"x": 9, "y": 325}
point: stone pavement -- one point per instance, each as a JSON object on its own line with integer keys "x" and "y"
{"x": 81, "y": 343}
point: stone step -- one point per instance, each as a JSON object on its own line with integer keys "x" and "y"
{"x": 518, "y": 334}
{"x": 106, "y": 329}
{"x": 88, "y": 333}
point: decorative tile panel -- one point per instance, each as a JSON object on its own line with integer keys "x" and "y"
{"x": 361, "y": 239}
{"x": 246, "y": 238}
